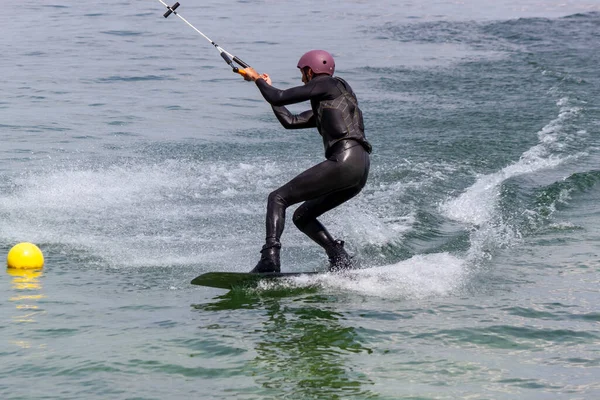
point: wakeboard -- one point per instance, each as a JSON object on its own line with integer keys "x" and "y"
{"x": 229, "y": 280}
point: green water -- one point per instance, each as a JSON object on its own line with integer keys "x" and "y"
{"x": 137, "y": 161}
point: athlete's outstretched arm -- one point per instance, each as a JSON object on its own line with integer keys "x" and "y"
{"x": 278, "y": 97}
{"x": 288, "y": 120}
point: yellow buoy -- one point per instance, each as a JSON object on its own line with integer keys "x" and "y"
{"x": 25, "y": 256}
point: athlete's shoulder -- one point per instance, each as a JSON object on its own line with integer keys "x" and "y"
{"x": 344, "y": 83}
{"x": 322, "y": 87}
{"x": 323, "y": 80}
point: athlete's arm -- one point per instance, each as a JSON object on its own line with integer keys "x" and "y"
{"x": 288, "y": 120}
{"x": 278, "y": 97}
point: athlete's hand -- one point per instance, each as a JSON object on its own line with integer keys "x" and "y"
{"x": 250, "y": 74}
{"x": 267, "y": 78}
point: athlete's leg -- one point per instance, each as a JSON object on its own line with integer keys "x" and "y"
{"x": 309, "y": 184}
{"x": 326, "y": 178}
{"x": 322, "y": 179}
{"x": 305, "y": 217}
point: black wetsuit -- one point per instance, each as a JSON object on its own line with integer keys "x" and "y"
{"x": 335, "y": 113}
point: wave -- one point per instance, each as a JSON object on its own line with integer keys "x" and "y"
{"x": 480, "y": 205}
{"x": 419, "y": 277}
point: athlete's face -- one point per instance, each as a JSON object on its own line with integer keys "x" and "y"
{"x": 307, "y": 75}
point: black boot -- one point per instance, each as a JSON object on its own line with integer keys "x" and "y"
{"x": 338, "y": 258}
{"x": 269, "y": 259}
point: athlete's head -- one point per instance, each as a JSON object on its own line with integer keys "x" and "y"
{"x": 316, "y": 62}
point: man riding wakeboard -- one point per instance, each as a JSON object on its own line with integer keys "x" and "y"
{"x": 338, "y": 119}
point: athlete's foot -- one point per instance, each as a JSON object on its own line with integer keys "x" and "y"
{"x": 339, "y": 259}
{"x": 269, "y": 259}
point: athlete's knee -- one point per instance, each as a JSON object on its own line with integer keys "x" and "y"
{"x": 275, "y": 198}
{"x": 300, "y": 219}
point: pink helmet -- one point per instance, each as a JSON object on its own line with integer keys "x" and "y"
{"x": 320, "y": 61}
